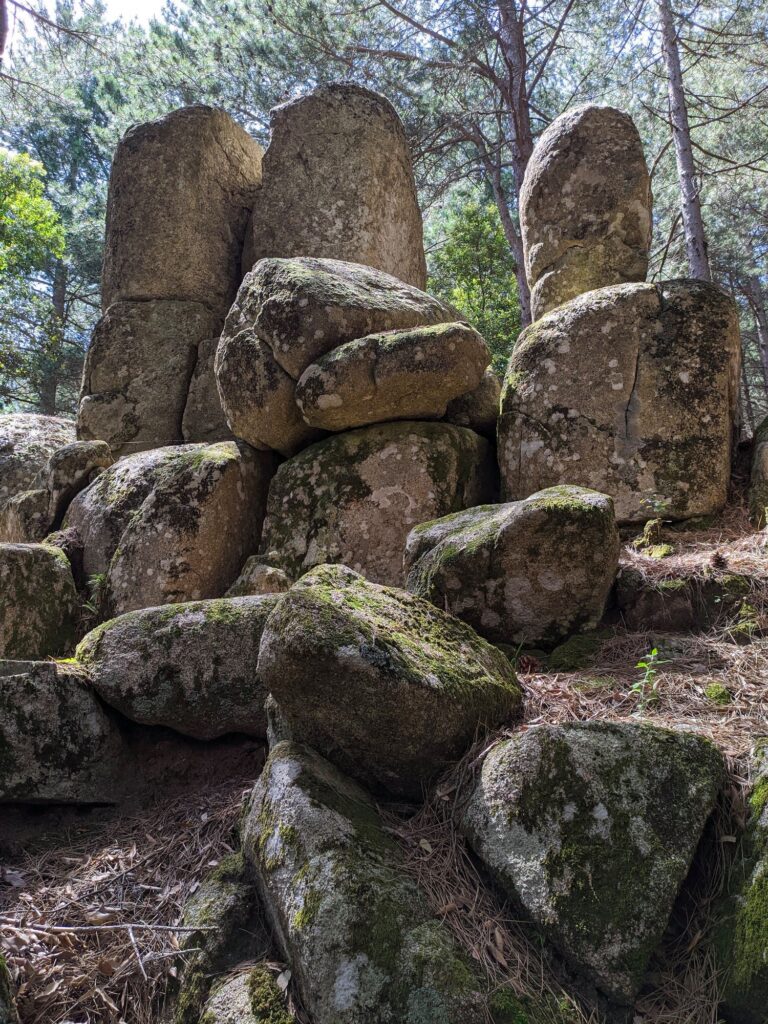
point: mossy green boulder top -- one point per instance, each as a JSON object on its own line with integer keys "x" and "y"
{"x": 395, "y": 375}
{"x": 354, "y": 497}
{"x": 191, "y": 667}
{"x": 304, "y": 307}
{"x": 38, "y": 601}
{"x": 384, "y": 684}
{"x": 591, "y": 828}
{"x": 358, "y": 933}
{"x": 631, "y": 390}
{"x": 531, "y": 571}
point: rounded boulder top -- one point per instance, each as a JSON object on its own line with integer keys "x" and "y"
{"x": 585, "y": 206}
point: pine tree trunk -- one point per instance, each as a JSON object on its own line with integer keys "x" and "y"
{"x": 49, "y": 382}
{"x": 749, "y": 408}
{"x": 753, "y": 293}
{"x": 695, "y": 240}
{"x": 515, "y": 95}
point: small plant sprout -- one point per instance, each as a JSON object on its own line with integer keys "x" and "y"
{"x": 646, "y": 688}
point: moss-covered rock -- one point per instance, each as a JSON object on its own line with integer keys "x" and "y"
{"x": 191, "y": 667}
{"x": 249, "y": 997}
{"x": 631, "y": 390}
{"x": 591, "y": 828}
{"x": 38, "y": 601}
{"x": 174, "y": 524}
{"x": 741, "y": 935}
{"x": 683, "y": 601}
{"x": 26, "y": 442}
{"x": 57, "y": 742}
{"x": 228, "y": 928}
{"x": 585, "y": 208}
{"x": 395, "y": 375}
{"x": 360, "y": 939}
{"x": 354, "y": 497}
{"x": 256, "y": 577}
{"x": 531, "y": 571}
{"x": 386, "y": 685}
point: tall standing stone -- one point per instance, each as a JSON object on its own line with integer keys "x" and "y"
{"x": 180, "y": 192}
{"x": 338, "y": 183}
{"x": 180, "y": 195}
{"x": 585, "y": 207}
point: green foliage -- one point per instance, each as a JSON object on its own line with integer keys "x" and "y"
{"x": 472, "y": 268}
{"x": 646, "y": 688}
{"x": 31, "y": 232}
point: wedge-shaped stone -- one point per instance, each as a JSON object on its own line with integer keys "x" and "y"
{"x": 303, "y": 308}
{"x": 58, "y": 742}
{"x": 26, "y": 442}
{"x": 338, "y": 182}
{"x": 392, "y": 376}
{"x": 585, "y": 207}
{"x": 138, "y": 370}
{"x": 591, "y": 828}
{"x": 191, "y": 667}
{"x": 204, "y": 418}
{"x": 532, "y": 571}
{"x": 354, "y": 497}
{"x": 631, "y": 391}
{"x": 38, "y": 601}
{"x": 362, "y": 944}
{"x": 396, "y": 690}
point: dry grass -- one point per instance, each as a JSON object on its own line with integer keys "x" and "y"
{"x": 130, "y": 870}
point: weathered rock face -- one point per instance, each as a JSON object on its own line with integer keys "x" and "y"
{"x": 741, "y": 935}
{"x": 629, "y": 390}
{"x": 257, "y": 395}
{"x": 354, "y": 498}
{"x": 193, "y": 531}
{"x": 478, "y": 409}
{"x": 26, "y": 443}
{"x": 258, "y": 578}
{"x": 39, "y": 606}
{"x": 591, "y": 828}
{"x": 758, "y": 481}
{"x": 397, "y": 688}
{"x": 174, "y": 524}
{"x": 138, "y": 370}
{"x": 585, "y": 207}
{"x": 31, "y": 515}
{"x": 338, "y": 183}
{"x": 204, "y": 419}
{"x": 303, "y": 308}
{"x": 361, "y": 941}
{"x": 102, "y": 511}
{"x": 680, "y": 603}
{"x": 180, "y": 192}
{"x": 191, "y": 667}
{"x": 57, "y": 741}
{"x": 531, "y": 572}
{"x": 392, "y": 376}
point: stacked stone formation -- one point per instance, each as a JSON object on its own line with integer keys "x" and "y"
{"x": 590, "y": 829}
{"x": 318, "y": 345}
{"x": 627, "y": 388}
